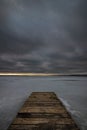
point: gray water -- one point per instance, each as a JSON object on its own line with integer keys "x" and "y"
{"x": 71, "y": 90}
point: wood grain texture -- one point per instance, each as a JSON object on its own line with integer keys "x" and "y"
{"x": 43, "y": 111}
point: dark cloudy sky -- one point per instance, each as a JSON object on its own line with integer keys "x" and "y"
{"x": 43, "y": 36}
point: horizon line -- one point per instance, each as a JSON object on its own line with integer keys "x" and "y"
{"x": 38, "y": 74}
{"x": 26, "y": 74}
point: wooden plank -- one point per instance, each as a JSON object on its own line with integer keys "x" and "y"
{"x": 43, "y": 93}
{"x": 43, "y": 97}
{"x": 41, "y": 111}
{"x": 22, "y": 127}
{"x": 29, "y": 127}
{"x": 44, "y": 104}
{"x": 45, "y": 115}
{"x": 42, "y": 100}
{"x": 28, "y": 121}
{"x": 43, "y": 108}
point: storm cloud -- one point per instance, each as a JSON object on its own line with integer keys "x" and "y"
{"x": 43, "y": 36}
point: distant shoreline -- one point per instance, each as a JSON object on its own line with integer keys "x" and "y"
{"x": 39, "y": 74}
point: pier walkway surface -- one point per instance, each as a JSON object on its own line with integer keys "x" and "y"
{"x": 43, "y": 111}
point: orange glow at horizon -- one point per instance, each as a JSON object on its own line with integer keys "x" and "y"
{"x": 26, "y": 74}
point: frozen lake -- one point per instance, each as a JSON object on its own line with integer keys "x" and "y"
{"x": 15, "y": 90}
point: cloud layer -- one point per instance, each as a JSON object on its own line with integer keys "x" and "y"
{"x": 43, "y": 36}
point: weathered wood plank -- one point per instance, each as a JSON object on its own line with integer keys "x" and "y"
{"x": 43, "y": 111}
{"x": 29, "y": 127}
{"x": 42, "y": 100}
{"x": 44, "y": 104}
{"x": 45, "y": 115}
{"x": 43, "y": 97}
{"x": 42, "y": 108}
{"x": 28, "y": 121}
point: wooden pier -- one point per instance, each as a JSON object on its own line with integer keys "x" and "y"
{"x": 43, "y": 111}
